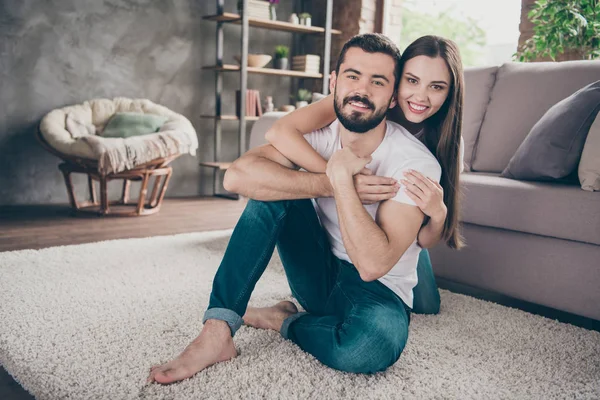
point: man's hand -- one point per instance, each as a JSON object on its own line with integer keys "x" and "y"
{"x": 344, "y": 164}
{"x": 372, "y": 188}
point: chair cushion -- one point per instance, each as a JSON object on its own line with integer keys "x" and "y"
{"x": 176, "y": 136}
{"x": 547, "y": 209}
{"x": 589, "y": 165}
{"x": 128, "y": 124}
{"x": 522, "y": 94}
{"x": 552, "y": 149}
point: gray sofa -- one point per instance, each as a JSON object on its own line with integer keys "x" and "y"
{"x": 532, "y": 241}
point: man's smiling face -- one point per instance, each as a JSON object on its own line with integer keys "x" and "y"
{"x": 363, "y": 89}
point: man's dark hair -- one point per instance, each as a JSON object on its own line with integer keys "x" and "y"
{"x": 373, "y": 43}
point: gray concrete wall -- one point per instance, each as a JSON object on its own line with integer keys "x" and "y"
{"x": 60, "y": 52}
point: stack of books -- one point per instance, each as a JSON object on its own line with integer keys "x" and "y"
{"x": 307, "y": 63}
{"x": 253, "y": 106}
{"x": 258, "y": 9}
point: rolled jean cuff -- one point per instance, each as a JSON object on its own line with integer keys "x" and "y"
{"x": 223, "y": 314}
{"x": 286, "y": 323}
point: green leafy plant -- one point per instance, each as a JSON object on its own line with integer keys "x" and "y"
{"x": 304, "y": 15}
{"x": 303, "y": 95}
{"x": 571, "y": 26}
{"x": 282, "y": 51}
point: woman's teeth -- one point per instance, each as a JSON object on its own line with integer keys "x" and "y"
{"x": 416, "y": 107}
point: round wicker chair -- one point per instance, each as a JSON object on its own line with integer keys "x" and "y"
{"x": 74, "y": 134}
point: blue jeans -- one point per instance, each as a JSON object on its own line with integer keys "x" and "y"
{"x": 349, "y": 324}
{"x": 426, "y": 295}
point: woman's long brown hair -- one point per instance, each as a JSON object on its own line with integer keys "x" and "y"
{"x": 443, "y": 129}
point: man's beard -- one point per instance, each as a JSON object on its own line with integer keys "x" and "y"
{"x": 356, "y": 121}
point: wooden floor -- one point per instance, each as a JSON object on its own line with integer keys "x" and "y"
{"x": 36, "y": 227}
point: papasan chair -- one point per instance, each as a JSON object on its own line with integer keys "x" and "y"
{"x": 74, "y": 134}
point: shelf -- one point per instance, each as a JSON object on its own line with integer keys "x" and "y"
{"x": 267, "y": 71}
{"x": 217, "y": 165}
{"x": 268, "y": 24}
{"x": 229, "y": 117}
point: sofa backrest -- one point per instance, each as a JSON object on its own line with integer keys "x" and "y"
{"x": 479, "y": 82}
{"x": 521, "y": 95}
{"x": 260, "y": 128}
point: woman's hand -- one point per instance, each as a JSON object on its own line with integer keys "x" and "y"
{"x": 426, "y": 193}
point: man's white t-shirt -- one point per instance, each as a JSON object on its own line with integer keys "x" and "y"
{"x": 398, "y": 152}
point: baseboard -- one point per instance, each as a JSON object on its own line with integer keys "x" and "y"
{"x": 548, "y": 312}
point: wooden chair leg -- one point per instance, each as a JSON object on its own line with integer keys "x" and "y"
{"x": 126, "y": 186}
{"x": 92, "y": 189}
{"x": 104, "y": 195}
{"x": 143, "y": 192}
{"x": 157, "y": 183}
{"x": 69, "y": 183}
{"x": 164, "y": 188}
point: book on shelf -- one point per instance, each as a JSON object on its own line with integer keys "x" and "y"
{"x": 253, "y": 105}
{"x": 307, "y": 70}
{"x": 307, "y": 57}
{"x": 258, "y": 9}
{"x": 258, "y": 15}
{"x": 301, "y": 62}
{"x": 258, "y": 3}
{"x": 306, "y": 64}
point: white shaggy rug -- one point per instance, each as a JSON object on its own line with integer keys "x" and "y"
{"x": 88, "y": 321}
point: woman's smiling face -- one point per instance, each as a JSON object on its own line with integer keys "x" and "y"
{"x": 424, "y": 87}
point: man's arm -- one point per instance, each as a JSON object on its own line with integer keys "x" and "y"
{"x": 374, "y": 247}
{"x": 263, "y": 173}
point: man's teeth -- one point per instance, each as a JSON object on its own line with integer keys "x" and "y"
{"x": 358, "y": 104}
{"x": 416, "y": 107}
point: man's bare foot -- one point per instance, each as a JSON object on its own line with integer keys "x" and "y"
{"x": 269, "y": 317}
{"x": 213, "y": 345}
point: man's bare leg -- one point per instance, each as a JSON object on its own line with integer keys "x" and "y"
{"x": 213, "y": 345}
{"x": 269, "y": 317}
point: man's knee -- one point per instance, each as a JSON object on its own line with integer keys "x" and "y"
{"x": 372, "y": 349}
{"x": 273, "y": 209}
{"x": 278, "y": 208}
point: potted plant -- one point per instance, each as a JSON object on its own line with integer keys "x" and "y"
{"x": 281, "y": 56}
{"x": 567, "y": 28}
{"x": 303, "y": 97}
{"x": 305, "y": 19}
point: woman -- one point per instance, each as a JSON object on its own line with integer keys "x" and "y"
{"x": 430, "y": 99}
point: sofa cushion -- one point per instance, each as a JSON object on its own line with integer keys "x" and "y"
{"x": 522, "y": 94}
{"x": 589, "y": 165}
{"x": 478, "y": 87}
{"x": 552, "y": 149}
{"x": 547, "y": 209}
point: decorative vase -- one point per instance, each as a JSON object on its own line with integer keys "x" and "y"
{"x": 306, "y": 21}
{"x": 302, "y": 103}
{"x": 281, "y": 63}
{"x": 269, "y": 107}
{"x": 272, "y": 12}
{"x": 294, "y": 19}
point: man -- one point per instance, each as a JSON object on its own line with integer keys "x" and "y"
{"x": 351, "y": 266}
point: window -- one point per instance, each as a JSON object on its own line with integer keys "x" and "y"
{"x": 486, "y": 31}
